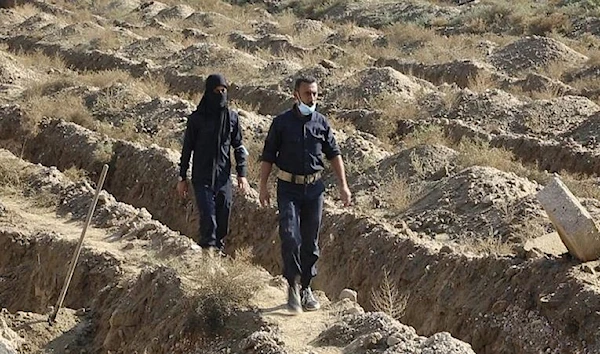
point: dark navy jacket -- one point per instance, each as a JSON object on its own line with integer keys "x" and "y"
{"x": 211, "y": 165}
{"x": 295, "y": 143}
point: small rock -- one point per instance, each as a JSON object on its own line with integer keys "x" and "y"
{"x": 129, "y": 246}
{"x": 442, "y": 237}
{"x": 499, "y": 306}
{"x": 534, "y": 253}
{"x": 586, "y": 269}
{"x": 446, "y": 250}
{"x": 393, "y": 340}
{"x": 349, "y": 294}
{"x": 366, "y": 341}
{"x": 80, "y": 312}
{"x": 355, "y": 310}
{"x": 144, "y": 214}
{"x": 328, "y": 64}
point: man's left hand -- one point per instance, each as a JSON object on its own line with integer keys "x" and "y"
{"x": 346, "y": 196}
{"x": 243, "y": 184}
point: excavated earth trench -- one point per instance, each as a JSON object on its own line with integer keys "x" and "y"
{"x": 500, "y": 304}
{"x": 129, "y": 275}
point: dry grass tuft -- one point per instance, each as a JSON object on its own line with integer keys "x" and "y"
{"x": 27, "y": 10}
{"x": 11, "y": 178}
{"x": 399, "y": 194}
{"x": 480, "y": 153}
{"x": 105, "y": 78}
{"x": 40, "y": 60}
{"x": 62, "y": 106}
{"x": 581, "y": 185}
{"x": 76, "y": 174}
{"x": 427, "y": 135}
{"x": 226, "y": 288}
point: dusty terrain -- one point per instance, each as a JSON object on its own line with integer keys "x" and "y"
{"x": 450, "y": 116}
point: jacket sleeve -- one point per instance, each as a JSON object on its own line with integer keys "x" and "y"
{"x": 330, "y": 147}
{"x": 239, "y": 150}
{"x": 272, "y": 143}
{"x": 189, "y": 141}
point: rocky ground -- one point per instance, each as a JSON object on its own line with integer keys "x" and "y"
{"x": 450, "y": 115}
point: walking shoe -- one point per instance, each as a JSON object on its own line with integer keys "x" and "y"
{"x": 309, "y": 301}
{"x": 214, "y": 252}
{"x": 293, "y": 302}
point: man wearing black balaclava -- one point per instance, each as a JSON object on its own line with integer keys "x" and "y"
{"x": 212, "y": 130}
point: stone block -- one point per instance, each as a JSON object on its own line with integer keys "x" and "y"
{"x": 576, "y": 227}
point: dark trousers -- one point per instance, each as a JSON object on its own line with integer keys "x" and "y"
{"x": 215, "y": 208}
{"x": 300, "y": 212}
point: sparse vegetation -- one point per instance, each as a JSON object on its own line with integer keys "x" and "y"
{"x": 388, "y": 298}
{"x": 427, "y": 135}
{"x": 399, "y": 194}
{"x": 11, "y": 179}
{"x": 225, "y": 288}
{"x": 76, "y": 174}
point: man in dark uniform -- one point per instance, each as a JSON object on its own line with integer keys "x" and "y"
{"x": 212, "y": 130}
{"x": 295, "y": 143}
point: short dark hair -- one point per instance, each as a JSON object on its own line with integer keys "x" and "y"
{"x": 303, "y": 80}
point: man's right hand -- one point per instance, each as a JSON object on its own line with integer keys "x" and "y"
{"x": 182, "y": 189}
{"x": 264, "y": 196}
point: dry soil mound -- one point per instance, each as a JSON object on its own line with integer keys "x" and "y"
{"x": 587, "y": 133}
{"x": 176, "y": 12}
{"x": 377, "y": 333}
{"x": 13, "y": 72}
{"x": 372, "y": 83}
{"x": 9, "y": 18}
{"x": 151, "y": 48}
{"x": 213, "y": 55}
{"x": 421, "y": 162}
{"x": 210, "y": 20}
{"x": 75, "y": 32}
{"x": 534, "y": 53}
{"x": 149, "y": 9}
{"x": 380, "y": 13}
{"x": 491, "y": 110}
{"x": 553, "y": 117}
{"x": 39, "y": 23}
{"x": 477, "y": 203}
{"x": 461, "y": 72}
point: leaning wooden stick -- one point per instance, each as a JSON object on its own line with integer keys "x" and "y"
{"x": 75, "y": 258}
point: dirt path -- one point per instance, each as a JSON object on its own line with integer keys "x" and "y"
{"x": 298, "y": 331}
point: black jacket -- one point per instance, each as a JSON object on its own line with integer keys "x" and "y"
{"x": 211, "y": 139}
{"x": 295, "y": 143}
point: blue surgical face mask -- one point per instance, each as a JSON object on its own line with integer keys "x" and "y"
{"x": 306, "y": 109}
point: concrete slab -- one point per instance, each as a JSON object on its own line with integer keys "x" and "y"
{"x": 549, "y": 243}
{"x": 577, "y": 229}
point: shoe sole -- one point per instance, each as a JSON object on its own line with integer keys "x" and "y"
{"x": 311, "y": 308}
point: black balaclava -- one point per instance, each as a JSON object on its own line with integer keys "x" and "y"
{"x": 214, "y": 101}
